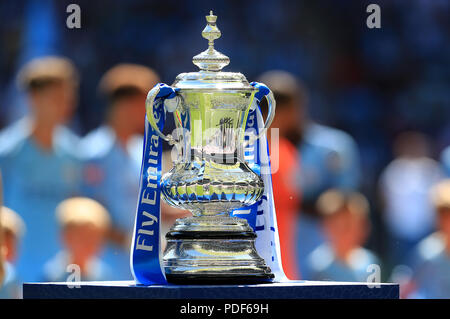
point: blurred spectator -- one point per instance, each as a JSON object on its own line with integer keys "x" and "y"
{"x": 346, "y": 226}
{"x": 329, "y": 157}
{"x": 404, "y": 187}
{"x": 12, "y": 228}
{"x": 113, "y": 154}
{"x": 37, "y": 157}
{"x": 431, "y": 276}
{"x": 84, "y": 224}
{"x": 369, "y": 82}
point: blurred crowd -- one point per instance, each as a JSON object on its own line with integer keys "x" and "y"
{"x": 363, "y": 149}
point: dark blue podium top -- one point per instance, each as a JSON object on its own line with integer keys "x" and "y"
{"x": 285, "y": 290}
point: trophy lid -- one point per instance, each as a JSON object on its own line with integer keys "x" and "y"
{"x": 210, "y": 63}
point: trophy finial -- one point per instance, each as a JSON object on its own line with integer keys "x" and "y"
{"x": 211, "y": 60}
{"x": 211, "y": 32}
{"x": 211, "y": 18}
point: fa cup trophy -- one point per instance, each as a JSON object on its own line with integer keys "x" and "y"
{"x": 211, "y": 177}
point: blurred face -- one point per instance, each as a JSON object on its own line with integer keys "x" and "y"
{"x": 83, "y": 241}
{"x": 131, "y": 111}
{"x": 289, "y": 119}
{"x": 286, "y": 119}
{"x": 55, "y": 103}
{"x": 345, "y": 229}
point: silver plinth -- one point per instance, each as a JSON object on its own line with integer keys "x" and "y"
{"x": 213, "y": 249}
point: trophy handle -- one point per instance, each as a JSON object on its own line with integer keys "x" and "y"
{"x": 162, "y": 91}
{"x": 263, "y": 91}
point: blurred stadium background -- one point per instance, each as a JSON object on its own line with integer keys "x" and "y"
{"x": 371, "y": 83}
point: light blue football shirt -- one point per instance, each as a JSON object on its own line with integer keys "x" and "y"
{"x": 56, "y": 269}
{"x": 35, "y": 181}
{"x": 329, "y": 158}
{"x": 325, "y": 266}
{"x": 432, "y": 268}
{"x": 111, "y": 176}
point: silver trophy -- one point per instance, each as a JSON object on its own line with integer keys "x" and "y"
{"x": 210, "y": 178}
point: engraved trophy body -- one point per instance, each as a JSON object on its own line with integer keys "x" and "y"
{"x": 210, "y": 177}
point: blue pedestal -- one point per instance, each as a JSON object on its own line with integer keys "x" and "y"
{"x": 288, "y": 290}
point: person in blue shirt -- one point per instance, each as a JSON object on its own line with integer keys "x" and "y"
{"x": 38, "y": 160}
{"x": 329, "y": 158}
{"x": 404, "y": 186}
{"x": 113, "y": 154}
{"x": 83, "y": 225}
{"x": 431, "y": 266}
{"x": 342, "y": 257}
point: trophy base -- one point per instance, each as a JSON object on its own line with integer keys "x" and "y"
{"x": 224, "y": 279}
{"x": 213, "y": 249}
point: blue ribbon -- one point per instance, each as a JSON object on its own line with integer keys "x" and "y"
{"x": 146, "y": 259}
{"x": 252, "y": 158}
{"x": 263, "y": 90}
